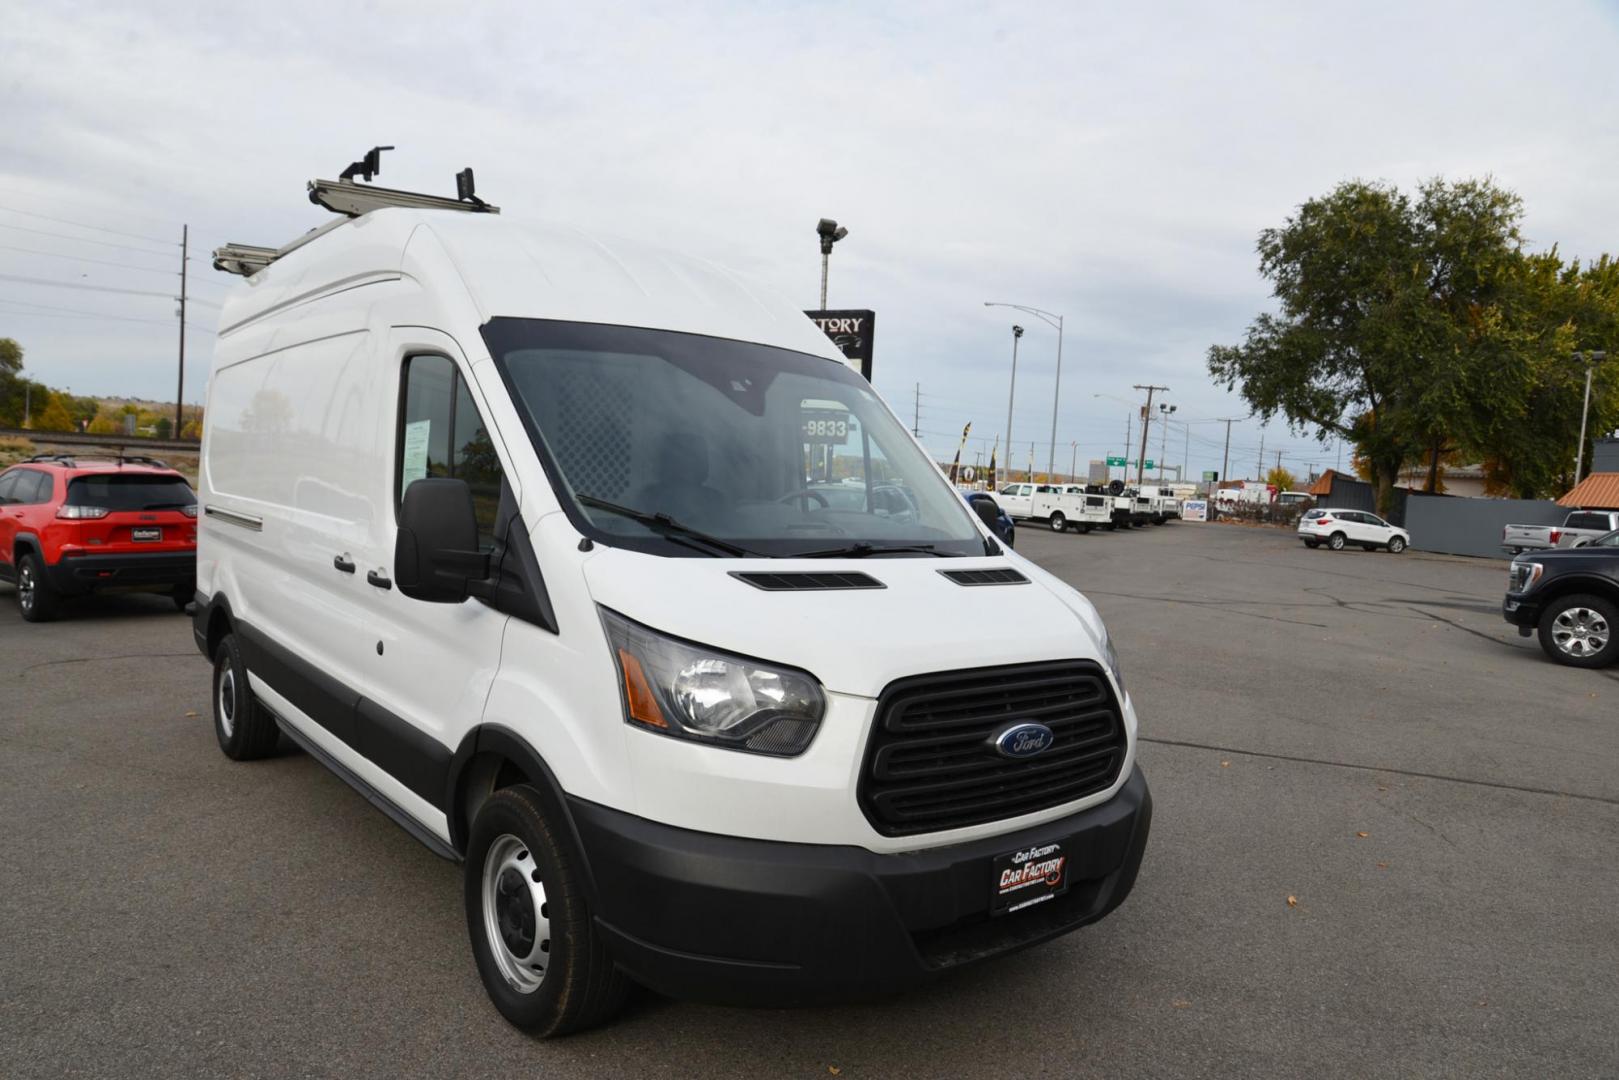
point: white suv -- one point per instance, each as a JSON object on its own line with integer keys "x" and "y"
{"x": 1339, "y": 528}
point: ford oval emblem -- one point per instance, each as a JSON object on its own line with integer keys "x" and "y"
{"x": 1024, "y": 740}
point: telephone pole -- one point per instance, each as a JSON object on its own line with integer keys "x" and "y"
{"x": 180, "y": 392}
{"x": 916, "y": 413}
{"x": 1146, "y": 422}
{"x": 1073, "y": 461}
{"x": 1225, "y": 459}
{"x": 1259, "y": 466}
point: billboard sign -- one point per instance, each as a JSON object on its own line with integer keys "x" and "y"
{"x": 1195, "y": 510}
{"x": 851, "y": 331}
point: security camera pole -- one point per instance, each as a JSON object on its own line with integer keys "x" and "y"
{"x": 1146, "y": 422}
{"x": 1017, "y": 332}
{"x": 830, "y": 233}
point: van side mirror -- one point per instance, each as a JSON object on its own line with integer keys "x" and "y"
{"x": 436, "y": 556}
{"x": 988, "y": 513}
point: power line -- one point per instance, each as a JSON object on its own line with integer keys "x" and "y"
{"x": 92, "y": 315}
{"x": 82, "y": 239}
{"x": 86, "y": 259}
{"x": 87, "y": 288}
{"x": 87, "y": 225}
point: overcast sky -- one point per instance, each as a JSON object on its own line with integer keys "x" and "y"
{"x": 1105, "y": 164}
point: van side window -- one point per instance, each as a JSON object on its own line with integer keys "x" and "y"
{"x": 441, "y": 434}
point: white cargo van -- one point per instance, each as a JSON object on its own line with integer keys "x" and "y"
{"x": 600, "y": 572}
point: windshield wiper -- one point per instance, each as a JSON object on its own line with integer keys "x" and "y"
{"x": 667, "y": 526}
{"x": 863, "y": 550}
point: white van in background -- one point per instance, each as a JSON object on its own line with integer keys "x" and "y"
{"x": 600, "y": 572}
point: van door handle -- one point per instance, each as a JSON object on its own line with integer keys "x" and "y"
{"x": 379, "y": 579}
{"x": 343, "y": 564}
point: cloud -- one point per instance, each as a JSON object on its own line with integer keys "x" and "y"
{"x": 1112, "y": 166}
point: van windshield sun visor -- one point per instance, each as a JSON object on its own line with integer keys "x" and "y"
{"x": 686, "y": 445}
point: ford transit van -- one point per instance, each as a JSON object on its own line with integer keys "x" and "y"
{"x": 601, "y": 573}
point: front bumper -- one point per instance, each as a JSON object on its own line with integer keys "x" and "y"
{"x": 728, "y": 920}
{"x": 1520, "y": 611}
{"x": 77, "y": 574}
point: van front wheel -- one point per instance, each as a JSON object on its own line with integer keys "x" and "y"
{"x": 540, "y": 956}
{"x": 244, "y": 729}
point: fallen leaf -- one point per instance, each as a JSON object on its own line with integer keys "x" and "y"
{"x": 1363, "y": 835}
{"x": 191, "y": 712}
{"x": 833, "y": 1069}
{"x": 1482, "y": 1002}
{"x": 1225, "y": 764}
{"x": 1382, "y": 866}
{"x": 1292, "y": 901}
{"x": 1181, "y": 1003}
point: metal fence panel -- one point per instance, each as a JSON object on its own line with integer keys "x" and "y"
{"x": 1472, "y": 526}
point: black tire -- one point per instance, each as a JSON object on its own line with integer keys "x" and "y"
{"x": 1368, "y": 547}
{"x": 1312, "y": 544}
{"x": 35, "y": 598}
{"x": 245, "y": 729}
{"x": 1396, "y": 545}
{"x": 182, "y": 596}
{"x": 1336, "y": 541}
{"x": 580, "y": 985}
{"x": 1058, "y": 522}
{"x": 1607, "y": 614}
{"x": 1084, "y": 530}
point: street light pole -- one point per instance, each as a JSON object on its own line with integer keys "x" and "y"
{"x": 1146, "y": 422}
{"x": 1073, "y": 461}
{"x": 830, "y": 233}
{"x": 1011, "y": 394}
{"x": 1591, "y": 358}
{"x": 1050, "y": 319}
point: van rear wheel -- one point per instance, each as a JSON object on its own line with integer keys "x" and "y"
{"x": 539, "y": 953}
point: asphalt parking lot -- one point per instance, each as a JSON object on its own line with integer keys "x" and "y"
{"x": 1383, "y": 845}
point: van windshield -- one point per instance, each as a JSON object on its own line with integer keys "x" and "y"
{"x": 664, "y": 441}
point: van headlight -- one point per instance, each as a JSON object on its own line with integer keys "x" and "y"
{"x": 688, "y": 691}
{"x": 1111, "y": 655}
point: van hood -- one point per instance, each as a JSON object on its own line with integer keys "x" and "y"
{"x": 855, "y": 641}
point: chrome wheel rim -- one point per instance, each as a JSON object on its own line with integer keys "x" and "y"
{"x": 516, "y": 919}
{"x": 1396, "y": 545}
{"x": 1058, "y": 522}
{"x": 1336, "y": 543}
{"x": 25, "y": 588}
{"x": 1580, "y": 631}
{"x": 227, "y": 701}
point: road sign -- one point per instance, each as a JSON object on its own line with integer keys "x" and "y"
{"x": 1112, "y": 461}
{"x": 1147, "y": 464}
{"x": 1210, "y": 476}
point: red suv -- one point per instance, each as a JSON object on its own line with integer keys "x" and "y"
{"x": 70, "y": 527}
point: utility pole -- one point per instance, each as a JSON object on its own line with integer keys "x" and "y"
{"x": 1186, "y": 452}
{"x": 1225, "y": 459}
{"x": 1127, "y": 445}
{"x": 27, "y": 404}
{"x": 1259, "y": 466}
{"x": 1146, "y": 422}
{"x": 1073, "y": 461}
{"x": 180, "y": 391}
{"x": 916, "y": 413}
{"x": 1278, "y": 461}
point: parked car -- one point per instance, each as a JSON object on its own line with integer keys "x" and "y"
{"x": 1570, "y": 597}
{"x": 984, "y": 504}
{"x": 527, "y": 559}
{"x": 1294, "y": 499}
{"x": 1579, "y": 528}
{"x": 1338, "y": 529}
{"x": 1017, "y": 499}
{"x": 71, "y": 526}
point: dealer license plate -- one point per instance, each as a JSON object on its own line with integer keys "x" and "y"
{"x": 1028, "y": 877}
{"x": 145, "y": 535}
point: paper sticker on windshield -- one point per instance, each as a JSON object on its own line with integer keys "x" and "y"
{"x": 414, "y": 458}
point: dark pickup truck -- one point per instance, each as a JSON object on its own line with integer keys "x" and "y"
{"x": 1570, "y": 596}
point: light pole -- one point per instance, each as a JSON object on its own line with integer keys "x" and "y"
{"x": 1591, "y": 359}
{"x": 1073, "y": 461}
{"x": 1056, "y": 391}
{"x": 1146, "y": 422}
{"x": 830, "y": 233}
{"x": 1164, "y": 413}
{"x": 1011, "y": 393}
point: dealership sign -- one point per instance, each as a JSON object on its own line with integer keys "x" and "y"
{"x": 850, "y": 331}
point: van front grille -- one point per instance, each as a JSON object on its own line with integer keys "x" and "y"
{"x": 931, "y": 763}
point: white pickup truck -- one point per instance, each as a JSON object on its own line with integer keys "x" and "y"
{"x": 1017, "y": 500}
{"x": 1070, "y": 507}
{"x": 1577, "y": 530}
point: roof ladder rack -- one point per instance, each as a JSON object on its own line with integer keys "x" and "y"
{"x": 352, "y": 199}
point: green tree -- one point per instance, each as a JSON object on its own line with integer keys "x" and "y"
{"x": 163, "y": 428}
{"x": 12, "y": 383}
{"x": 1417, "y": 328}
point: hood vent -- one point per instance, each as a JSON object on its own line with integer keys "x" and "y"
{"x": 806, "y": 581}
{"x": 985, "y": 577}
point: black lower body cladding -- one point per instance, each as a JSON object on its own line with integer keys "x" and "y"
{"x": 705, "y": 917}
{"x": 80, "y": 574}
